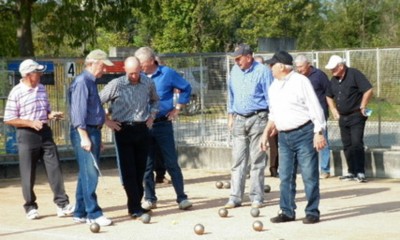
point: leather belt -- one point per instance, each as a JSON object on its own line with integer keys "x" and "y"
{"x": 133, "y": 123}
{"x": 161, "y": 119}
{"x": 347, "y": 114}
{"x": 299, "y": 127}
{"x": 252, "y": 113}
{"x": 95, "y": 126}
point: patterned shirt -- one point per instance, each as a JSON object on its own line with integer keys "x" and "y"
{"x": 131, "y": 102}
{"x": 84, "y": 102}
{"x": 27, "y": 103}
{"x": 248, "y": 89}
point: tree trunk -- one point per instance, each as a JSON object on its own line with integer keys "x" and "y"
{"x": 24, "y": 30}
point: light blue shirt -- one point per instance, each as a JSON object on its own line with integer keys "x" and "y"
{"x": 248, "y": 89}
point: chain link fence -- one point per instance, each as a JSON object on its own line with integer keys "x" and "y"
{"x": 204, "y": 121}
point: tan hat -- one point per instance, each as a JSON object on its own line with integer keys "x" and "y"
{"x": 29, "y": 66}
{"x": 99, "y": 55}
{"x": 334, "y": 61}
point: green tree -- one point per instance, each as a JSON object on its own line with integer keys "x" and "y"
{"x": 58, "y": 21}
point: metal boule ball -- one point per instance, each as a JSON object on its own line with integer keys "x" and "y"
{"x": 219, "y": 184}
{"x": 145, "y": 218}
{"x": 199, "y": 229}
{"x": 223, "y": 212}
{"x": 255, "y": 212}
{"x": 227, "y": 185}
{"x": 94, "y": 227}
{"x": 267, "y": 188}
{"x": 258, "y": 226}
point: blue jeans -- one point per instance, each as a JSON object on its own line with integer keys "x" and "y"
{"x": 86, "y": 199}
{"x": 162, "y": 136}
{"x": 246, "y": 152}
{"x": 352, "y": 134}
{"x": 325, "y": 156}
{"x": 296, "y": 149}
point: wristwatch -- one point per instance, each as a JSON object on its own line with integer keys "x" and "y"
{"x": 320, "y": 132}
{"x": 178, "y": 107}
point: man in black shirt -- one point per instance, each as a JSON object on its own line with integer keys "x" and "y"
{"x": 348, "y": 96}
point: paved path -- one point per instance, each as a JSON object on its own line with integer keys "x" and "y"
{"x": 350, "y": 210}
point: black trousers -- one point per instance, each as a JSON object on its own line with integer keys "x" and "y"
{"x": 273, "y": 154}
{"x": 132, "y": 143}
{"x": 32, "y": 146}
{"x": 352, "y": 133}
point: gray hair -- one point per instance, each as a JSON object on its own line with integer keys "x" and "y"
{"x": 145, "y": 54}
{"x": 301, "y": 59}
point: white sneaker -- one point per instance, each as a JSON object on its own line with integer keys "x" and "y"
{"x": 147, "y": 205}
{"x": 65, "y": 211}
{"x": 185, "y": 204}
{"x": 79, "y": 220}
{"x": 257, "y": 204}
{"x": 102, "y": 221}
{"x": 33, "y": 214}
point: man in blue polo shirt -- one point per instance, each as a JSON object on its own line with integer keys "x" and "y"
{"x": 247, "y": 117}
{"x": 162, "y": 134}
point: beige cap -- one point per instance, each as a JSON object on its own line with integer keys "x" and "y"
{"x": 334, "y": 61}
{"x": 99, "y": 55}
{"x": 29, "y": 66}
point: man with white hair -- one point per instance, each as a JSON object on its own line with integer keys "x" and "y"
{"x": 320, "y": 83}
{"x": 162, "y": 134}
{"x": 87, "y": 117}
{"x": 348, "y": 97}
{"x": 297, "y": 116}
{"x": 28, "y": 109}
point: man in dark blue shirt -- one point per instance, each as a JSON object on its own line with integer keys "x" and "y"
{"x": 162, "y": 134}
{"x": 320, "y": 83}
{"x": 348, "y": 96}
{"x": 87, "y": 118}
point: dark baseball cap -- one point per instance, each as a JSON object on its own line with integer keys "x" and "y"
{"x": 280, "y": 57}
{"x": 240, "y": 50}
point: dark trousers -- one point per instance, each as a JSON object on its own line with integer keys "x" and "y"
{"x": 273, "y": 154}
{"x": 159, "y": 167}
{"x": 132, "y": 143}
{"x": 352, "y": 134}
{"x": 32, "y": 146}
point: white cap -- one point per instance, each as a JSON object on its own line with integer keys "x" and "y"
{"x": 29, "y": 66}
{"x": 334, "y": 61}
{"x": 99, "y": 55}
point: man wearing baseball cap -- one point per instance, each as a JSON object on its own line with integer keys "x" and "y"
{"x": 348, "y": 96}
{"x": 28, "y": 109}
{"x": 247, "y": 116}
{"x": 297, "y": 116}
{"x": 87, "y": 117}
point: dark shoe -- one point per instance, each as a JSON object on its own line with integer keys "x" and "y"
{"x": 139, "y": 213}
{"x": 310, "y": 219}
{"x": 347, "y": 177}
{"x": 274, "y": 173}
{"x": 282, "y": 218}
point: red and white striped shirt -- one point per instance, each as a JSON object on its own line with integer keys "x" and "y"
{"x": 27, "y": 103}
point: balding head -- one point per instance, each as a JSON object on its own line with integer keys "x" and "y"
{"x": 132, "y": 69}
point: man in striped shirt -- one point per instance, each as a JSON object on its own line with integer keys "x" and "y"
{"x": 28, "y": 109}
{"x": 134, "y": 105}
